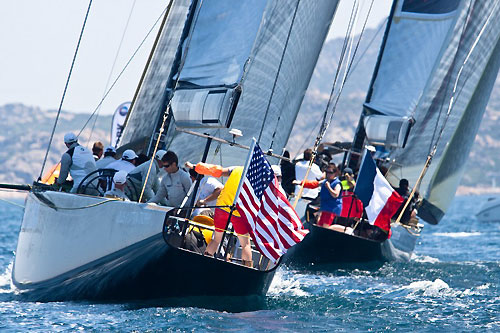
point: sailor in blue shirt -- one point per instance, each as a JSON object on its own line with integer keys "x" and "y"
{"x": 330, "y": 198}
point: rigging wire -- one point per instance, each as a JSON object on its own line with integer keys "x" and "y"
{"x": 65, "y": 89}
{"x": 112, "y": 67}
{"x": 167, "y": 108}
{"x": 347, "y": 43}
{"x": 448, "y": 112}
{"x": 123, "y": 70}
{"x": 379, "y": 29}
{"x": 279, "y": 69}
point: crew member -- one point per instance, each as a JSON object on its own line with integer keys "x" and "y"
{"x": 126, "y": 163}
{"x": 120, "y": 181}
{"x": 138, "y": 175}
{"x": 109, "y": 157}
{"x": 330, "y": 195}
{"x": 97, "y": 150}
{"x": 351, "y": 206}
{"x": 221, "y": 216}
{"x": 77, "y": 161}
{"x": 175, "y": 184}
{"x": 314, "y": 174}
{"x": 208, "y": 192}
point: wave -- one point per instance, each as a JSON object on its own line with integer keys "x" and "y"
{"x": 424, "y": 259}
{"x": 457, "y": 234}
{"x": 286, "y": 283}
{"x": 436, "y": 288}
{"x": 6, "y": 285}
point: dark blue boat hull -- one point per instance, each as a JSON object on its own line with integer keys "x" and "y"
{"x": 325, "y": 246}
{"x": 149, "y": 270}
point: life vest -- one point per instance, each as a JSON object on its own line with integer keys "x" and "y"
{"x": 82, "y": 163}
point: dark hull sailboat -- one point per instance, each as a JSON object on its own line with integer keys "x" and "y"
{"x": 332, "y": 247}
{"x": 424, "y": 104}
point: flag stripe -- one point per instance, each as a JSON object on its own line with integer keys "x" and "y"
{"x": 273, "y": 223}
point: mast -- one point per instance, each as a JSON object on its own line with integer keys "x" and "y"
{"x": 359, "y": 135}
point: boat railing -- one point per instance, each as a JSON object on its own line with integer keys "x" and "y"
{"x": 193, "y": 236}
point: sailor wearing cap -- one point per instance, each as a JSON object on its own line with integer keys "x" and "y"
{"x": 175, "y": 185}
{"x": 77, "y": 161}
{"x": 120, "y": 181}
{"x": 138, "y": 175}
{"x": 109, "y": 157}
{"x": 126, "y": 163}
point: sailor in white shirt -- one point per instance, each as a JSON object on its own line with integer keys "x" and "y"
{"x": 77, "y": 161}
{"x": 118, "y": 191}
{"x": 314, "y": 174}
{"x": 109, "y": 157}
{"x": 126, "y": 163}
{"x": 208, "y": 192}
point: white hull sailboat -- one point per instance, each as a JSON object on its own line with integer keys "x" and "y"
{"x": 215, "y": 65}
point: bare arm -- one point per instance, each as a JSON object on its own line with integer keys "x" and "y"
{"x": 214, "y": 195}
{"x": 209, "y": 169}
{"x": 335, "y": 192}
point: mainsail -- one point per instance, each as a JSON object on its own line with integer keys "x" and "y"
{"x": 229, "y": 64}
{"x": 435, "y": 54}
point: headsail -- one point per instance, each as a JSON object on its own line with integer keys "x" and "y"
{"x": 429, "y": 46}
{"x": 278, "y": 46}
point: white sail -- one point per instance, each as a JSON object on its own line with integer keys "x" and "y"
{"x": 429, "y": 46}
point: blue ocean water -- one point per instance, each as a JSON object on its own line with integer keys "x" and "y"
{"x": 451, "y": 284}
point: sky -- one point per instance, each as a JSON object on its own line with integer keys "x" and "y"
{"x": 38, "y": 40}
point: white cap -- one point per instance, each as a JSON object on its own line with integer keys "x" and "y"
{"x": 129, "y": 155}
{"x": 110, "y": 149}
{"x": 160, "y": 153}
{"x": 70, "y": 138}
{"x": 120, "y": 177}
{"x": 276, "y": 170}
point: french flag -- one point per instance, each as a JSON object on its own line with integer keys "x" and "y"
{"x": 380, "y": 200}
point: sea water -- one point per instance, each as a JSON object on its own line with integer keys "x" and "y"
{"x": 452, "y": 283}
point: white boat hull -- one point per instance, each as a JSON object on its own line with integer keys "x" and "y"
{"x": 490, "y": 211}
{"x": 54, "y": 242}
{"x": 115, "y": 250}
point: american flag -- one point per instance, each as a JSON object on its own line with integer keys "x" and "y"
{"x": 274, "y": 224}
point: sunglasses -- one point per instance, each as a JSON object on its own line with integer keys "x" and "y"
{"x": 329, "y": 171}
{"x": 166, "y": 165}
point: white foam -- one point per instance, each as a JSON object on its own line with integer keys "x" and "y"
{"x": 429, "y": 288}
{"x": 287, "y": 284}
{"x": 6, "y": 285}
{"x": 457, "y": 234}
{"x": 424, "y": 259}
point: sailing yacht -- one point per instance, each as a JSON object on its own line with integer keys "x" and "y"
{"x": 215, "y": 66}
{"x": 434, "y": 75}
